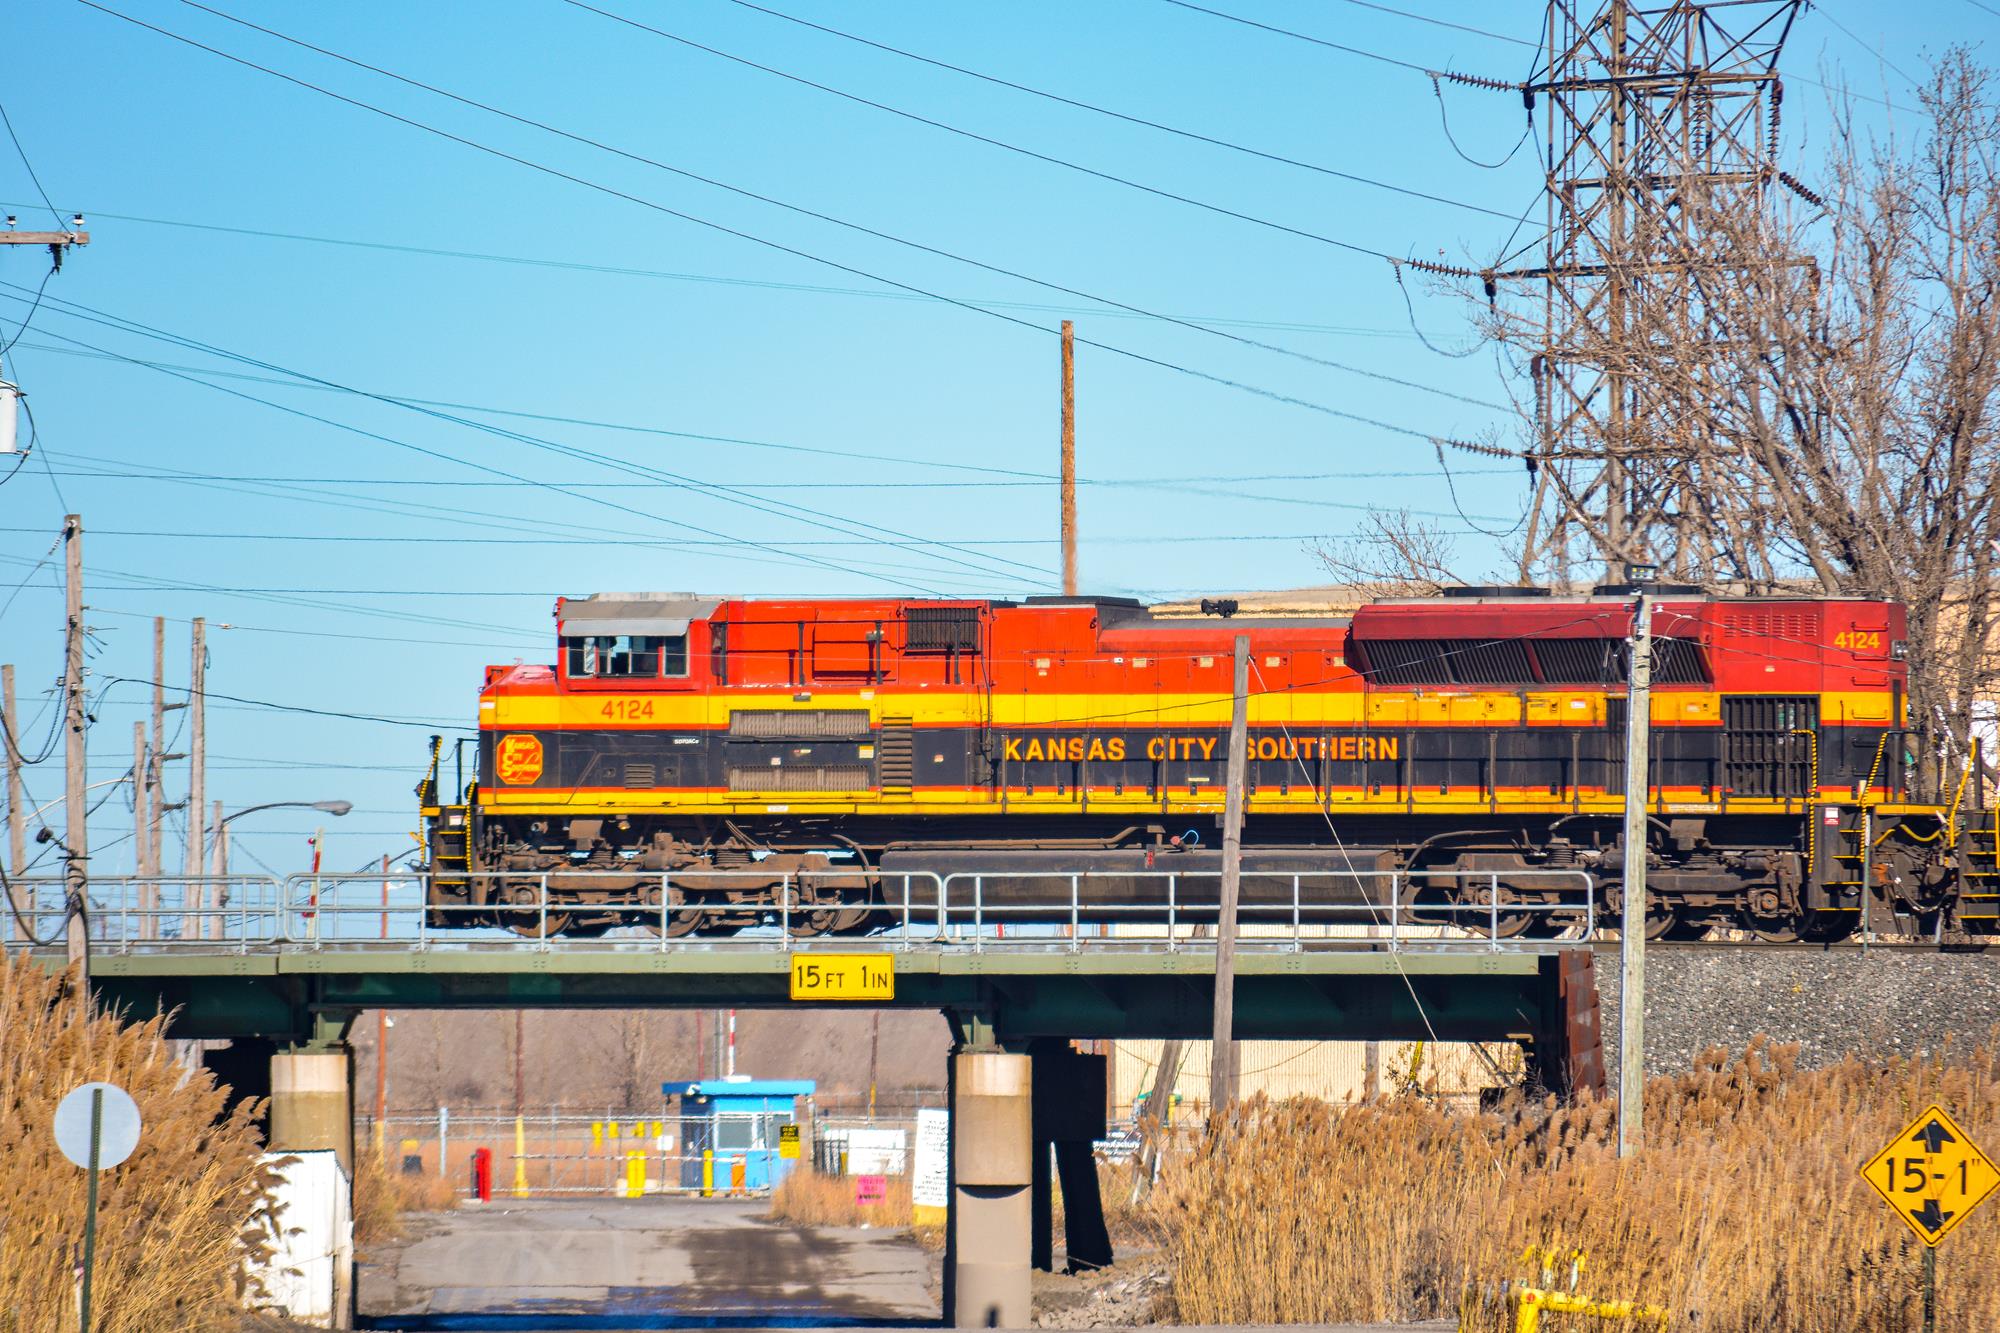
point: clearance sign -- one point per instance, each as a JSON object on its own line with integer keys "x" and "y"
{"x": 1116, "y": 749}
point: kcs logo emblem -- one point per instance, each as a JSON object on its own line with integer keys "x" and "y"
{"x": 518, "y": 759}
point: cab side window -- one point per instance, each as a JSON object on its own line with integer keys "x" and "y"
{"x": 626, "y": 656}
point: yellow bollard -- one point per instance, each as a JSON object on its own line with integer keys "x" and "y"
{"x": 1528, "y": 1314}
{"x": 635, "y": 1174}
{"x": 708, "y": 1173}
{"x": 520, "y": 1158}
{"x": 597, "y": 1136}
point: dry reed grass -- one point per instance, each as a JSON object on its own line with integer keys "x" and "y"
{"x": 807, "y": 1198}
{"x": 1746, "y": 1211}
{"x": 173, "y": 1219}
{"x": 384, "y": 1195}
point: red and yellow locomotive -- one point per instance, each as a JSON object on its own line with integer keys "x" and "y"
{"x": 732, "y": 743}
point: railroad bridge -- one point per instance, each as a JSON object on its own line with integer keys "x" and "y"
{"x": 281, "y": 968}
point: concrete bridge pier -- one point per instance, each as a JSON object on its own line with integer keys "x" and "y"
{"x": 312, "y": 1102}
{"x": 987, "y": 1221}
{"x": 312, "y": 1110}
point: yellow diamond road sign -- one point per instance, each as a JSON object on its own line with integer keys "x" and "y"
{"x": 1932, "y": 1175}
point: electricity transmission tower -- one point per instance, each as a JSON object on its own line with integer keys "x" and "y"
{"x": 1658, "y": 123}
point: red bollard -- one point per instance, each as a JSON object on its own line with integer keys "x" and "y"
{"x": 482, "y": 1174}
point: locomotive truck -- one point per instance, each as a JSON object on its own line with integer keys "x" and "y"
{"x": 706, "y": 764}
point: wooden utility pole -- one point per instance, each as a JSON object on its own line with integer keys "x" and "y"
{"x": 1632, "y": 925}
{"x": 216, "y": 895}
{"x": 382, "y": 1034}
{"x": 159, "y": 758}
{"x": 76, "y": 837}
{"x": 1068, "y": 459}
{"x": 874, "y": 1056}
{"x": 197, "y": 797}
{"x": 17, "y": 815}
{"x": 57, "y": 241}
{"x": 1222, "y": 1069}
{"x": 142, "y": 829}
{"x": 520, "y": 1033}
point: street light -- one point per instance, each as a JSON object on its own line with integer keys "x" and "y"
{"x": 330, "y": 807}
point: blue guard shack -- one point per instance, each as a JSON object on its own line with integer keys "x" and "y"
{"x": 737, "y": 1117}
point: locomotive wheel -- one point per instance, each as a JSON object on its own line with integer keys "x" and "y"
{"x": 1663, "y": 923}
{"x": 818, "y": 921}
{"x": 533, "y": 925}
{"x": 680, "y": 923}
{"x": 1772, "y": 930}
{"x": 1828, "y": 927}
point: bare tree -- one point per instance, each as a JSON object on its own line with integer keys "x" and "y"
{"x": 1393, "y": 555}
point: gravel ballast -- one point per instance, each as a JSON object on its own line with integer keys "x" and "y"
{"x": 1832, "y": 1002}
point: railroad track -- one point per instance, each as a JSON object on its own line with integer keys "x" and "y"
{"x": 1973, "y": 946}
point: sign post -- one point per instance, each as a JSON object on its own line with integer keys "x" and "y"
{"x": 96, "y": 1126}
{"x": 1931, "y": 1176}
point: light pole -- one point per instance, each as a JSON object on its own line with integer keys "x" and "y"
{"x": 219, "y": 848}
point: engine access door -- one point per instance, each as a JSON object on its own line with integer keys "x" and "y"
{"x": 1768, "y": 744}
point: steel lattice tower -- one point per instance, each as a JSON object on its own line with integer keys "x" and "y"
{"x": 1656, "y": 121}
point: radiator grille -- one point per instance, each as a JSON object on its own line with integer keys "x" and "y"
{"x": 796, "y": 724}
{"x": 1581, "y": 661}
{"x": 798, "y": 777}
{"x": 1406, "y": 661}
{"x": 939, "y": 629}
{"x": 641, "y": 775}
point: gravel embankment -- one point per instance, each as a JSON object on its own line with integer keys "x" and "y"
{"x": 1832, "y": 1002}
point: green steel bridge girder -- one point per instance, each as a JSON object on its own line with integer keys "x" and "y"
{"x": 300, "y": 997}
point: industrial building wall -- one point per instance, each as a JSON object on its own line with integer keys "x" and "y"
{"x": 1334, "y": 1070}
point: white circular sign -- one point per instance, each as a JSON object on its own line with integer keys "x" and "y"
{"x": 117, "y": 1126}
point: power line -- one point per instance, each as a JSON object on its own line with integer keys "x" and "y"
{"x": 811, "y": 517}
{"x": 612, "y": 192}
{"x": 8, "y": 121}
{"x": 1304, "y": 37}
{"x": 1435, "y": 22}
{"x": 616, "y": 270}
{"x": 274, "y": 706}
{"x": 474, "y": 518}
{"x": 1031, "y": 91}
{"x": 602, "y": 146}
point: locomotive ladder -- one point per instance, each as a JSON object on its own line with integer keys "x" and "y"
{"x": 1979, "y": 869}
{"x": 451, "y": 847}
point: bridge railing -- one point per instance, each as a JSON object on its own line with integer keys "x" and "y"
{"x": 1170, "y": 910}
{"x": 126, "y": 913}
{"x": 1275, "y": 909}
{"x": 655, "y": 909}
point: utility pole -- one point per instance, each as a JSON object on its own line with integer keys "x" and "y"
{"x": 1632, "y": 931}
{"x": 382, "y": 1033}
{"x": 1222, "y": 1059}
{"x": 76, "y": 837}
{"x": 197, "y": 797}
{"x": 142, "y": 831}
{"x": 1069, "y": 458}
{"x": 874, "y": 1055}
{"x": 159, "y": 758}
{"x": 218, "y": 866}
{"x": 57, "y": 241}
{"x": 520, "y": 1033}
{"x": 17, "y": 829}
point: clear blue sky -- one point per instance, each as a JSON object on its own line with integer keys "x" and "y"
{"x": 372, "y": 566}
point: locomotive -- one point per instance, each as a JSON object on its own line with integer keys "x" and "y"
{"x": 703, "y": 764}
